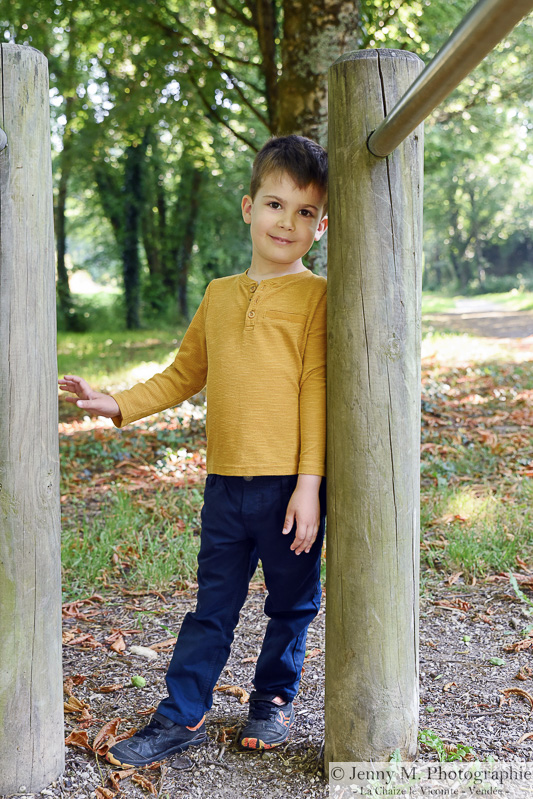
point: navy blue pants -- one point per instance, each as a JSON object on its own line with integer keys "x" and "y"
{"x": 242, "y": 521}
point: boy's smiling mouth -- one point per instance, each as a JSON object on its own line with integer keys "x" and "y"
{"x": 281, "y": 240}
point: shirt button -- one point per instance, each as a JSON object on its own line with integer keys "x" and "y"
{"x": 251, "y": 314}
{"x": 253, "y": 288}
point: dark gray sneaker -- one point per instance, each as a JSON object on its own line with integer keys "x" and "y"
{"x": 160, "y": 739}
{"x": 268, "y": 724}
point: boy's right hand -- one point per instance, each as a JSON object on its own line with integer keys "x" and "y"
{"x": 93, "y": 401}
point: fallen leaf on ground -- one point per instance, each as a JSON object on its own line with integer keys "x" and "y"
{"x": 523, "y": 565}
{"x": 104, "y": 793}
{"x": 485, "y": 618}
{"x": 159, "y": 646}
{"x": 234, "y": 690}
{"x": 507, "y": 692}
{"x": 223, "y": 734}
{"x": 69, "y": 635}
{"x": 452, "y": 604}
{"x": 147, "y": 712}
{"x": 524, "y": 737}
{"x": 251, "y": 659}
{"x": 524, "y": 673}
{"x": 86, "y": 641}
{"x": 108, "y": 689}
{"x": 116, "y": 640}
{"x": 145, "y": 783}
{"x": 116, "y": 776}
{"x": 79, "y": 738}
{"x": 452, "y": 579}
{"x": 448, "y": 686}
{"x": 74, "y": 705}
{"x": 106, "y": 738}
{"x": 519, "y": 646}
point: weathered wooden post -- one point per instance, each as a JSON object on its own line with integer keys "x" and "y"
{"x": 374, "y": 293}
{"x": 31, "y": 704}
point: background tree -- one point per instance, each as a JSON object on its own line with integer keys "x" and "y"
{"x": 158, "y": 109}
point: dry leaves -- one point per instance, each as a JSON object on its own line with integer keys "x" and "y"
{"x": 234, "y": 690}
{"x": 116, "y": 639}
{"x": 103, "y": 741}
{"x": 453, "y": 604}
{"x": 71, "y": 610}
{"x": 116, "y": 776}
{"x": 519, "y": 646}
{"x": 104, "y": 793}
{"x": 79, "y": 738}
{"x": 507, "y": 692}
{"x": 161, "y": 646}
{"x": 145, "y": 783}
{"x": 74, "y": 705}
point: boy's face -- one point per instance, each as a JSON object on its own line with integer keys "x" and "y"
{"x": 284, "y": 221}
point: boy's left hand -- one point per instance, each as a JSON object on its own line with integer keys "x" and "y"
{"x": 304, "y": 509}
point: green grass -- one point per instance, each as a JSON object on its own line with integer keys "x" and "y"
{"x": 473, "y": 519}
{"x": 432, "y": 302}
{"x": 478, "y": 534}
{"x": 440, "y": 302}
{"x": 115, "y": 359}
{"x": 514, "y": 300}
{"x": 133, "y": 545}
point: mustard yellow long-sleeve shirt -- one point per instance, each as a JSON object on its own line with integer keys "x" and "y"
{"x": 260, "y": 349}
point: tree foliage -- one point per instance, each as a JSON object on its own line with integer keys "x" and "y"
{"x": 158, "y": 108}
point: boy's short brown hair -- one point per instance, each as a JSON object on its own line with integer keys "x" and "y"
{"x": 303, "y": 159}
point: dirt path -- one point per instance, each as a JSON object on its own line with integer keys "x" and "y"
{"x": 482, "y": 318}
{"x": 471, "y": 651}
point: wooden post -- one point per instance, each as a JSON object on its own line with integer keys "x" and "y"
{"x": 31, "y": 700}
{"x": 374, "y": 293}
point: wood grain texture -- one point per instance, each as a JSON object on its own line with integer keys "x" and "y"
{"x": 374, "y": 295}
{"x": 31, "y": 704}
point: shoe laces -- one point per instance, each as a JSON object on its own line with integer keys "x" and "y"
{"x": 261, "y": 709}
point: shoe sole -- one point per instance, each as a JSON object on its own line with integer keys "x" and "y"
{"x": 257, "y": 743}
{"x": 144, "y": 763}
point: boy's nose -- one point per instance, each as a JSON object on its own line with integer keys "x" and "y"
{"x": 286, "y": 222}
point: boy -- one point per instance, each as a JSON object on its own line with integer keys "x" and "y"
{"x": 258, "y": 343}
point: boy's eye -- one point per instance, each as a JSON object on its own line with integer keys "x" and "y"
{"x": 275, "y": 205}
{"x": 306, "y": 212}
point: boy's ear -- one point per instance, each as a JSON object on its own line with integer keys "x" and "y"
{"x": 322, "y": 227}
{"x": 246, "y": 207}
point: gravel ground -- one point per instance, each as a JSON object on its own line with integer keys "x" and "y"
{"x": 461, "y": 629}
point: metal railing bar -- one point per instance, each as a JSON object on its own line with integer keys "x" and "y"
{"x": 486, "y": 24}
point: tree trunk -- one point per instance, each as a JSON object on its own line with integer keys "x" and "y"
{"x": 192, "y": 180}
{"x": 131, "y": 264}
{"x": 31, "y": 691}
{"x": 315, "y": 33}
{"x": 65, "y": 166}
{"x": 374, "y": 294}
{"x": 63, "y": 288}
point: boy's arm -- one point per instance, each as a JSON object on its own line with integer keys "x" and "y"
{"x": 304, "y": 509}
{"x": 184, "y": 377}
{"x": 313, "y": 397}
{"x": 93, "y": 401}
{"x": 304, "y": 505}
